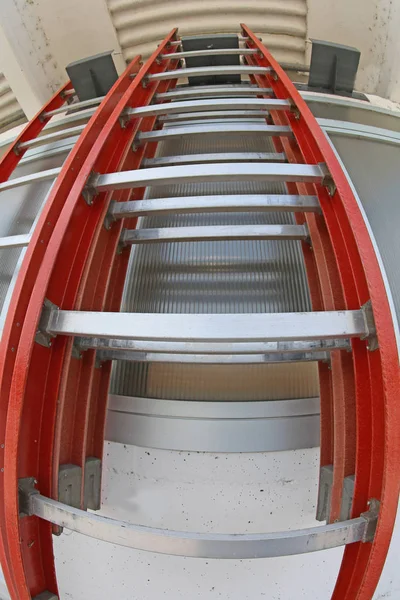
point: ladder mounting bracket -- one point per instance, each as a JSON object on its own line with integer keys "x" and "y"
{"x": 371, "y": 337}
{"x": 327, "y": 179}
{"x": 26, "y": 489}
{"x": 43, "y": 337}
{"x": 371, "y": 516}
{"x": 90, "y": 191}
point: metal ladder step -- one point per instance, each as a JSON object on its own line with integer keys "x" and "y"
{"x": 201, "y": 105}
{"x": 219, "y": 70}
{"x": 203, "y": 173}
{"x": 210, "y": 359}
{"x": 253, "y": 327}
{"x": 76, "y": 106}
{"x": 314, "y": 347}
{"x": 214, "y": 116}
{"x": 214, "y": 233}
{"x": 216, "y": 91}
{"x": 224, "y": 129}
{"x": 50, "y": 137}
{"x": 214, "y": 204}
{"x": 15, "y": 241}
{"x": 210, "y": 52}
{"x": 219, "y": 157}
{"x": 28, "y": 179}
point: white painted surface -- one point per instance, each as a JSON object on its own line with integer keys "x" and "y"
{"x": 141, "y": 24}
{"x": 372, "y": 26}
{"x": 39, "y": 38}
{"x": 200, "y": 492}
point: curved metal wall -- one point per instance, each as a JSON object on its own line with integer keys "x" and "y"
{"x": 141, "y": 24}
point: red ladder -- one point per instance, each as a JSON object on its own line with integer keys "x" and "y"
{"x": 54, "y": 391}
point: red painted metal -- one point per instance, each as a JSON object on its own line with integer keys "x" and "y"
{"x": 376, "y": 374}
{"x": 8, "y": 163}
{"x": 57, "y": 403}
{"x": 30, "y": 440}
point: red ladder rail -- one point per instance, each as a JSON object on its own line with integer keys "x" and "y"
{"x": 8, "y": 163}
{"x": 102, "y": 147}
{"x": 376, "y": 374}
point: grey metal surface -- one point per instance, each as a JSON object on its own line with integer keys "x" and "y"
{"x": 238, "y": 91}
{"x": 230, "y": 173}
{"x": 199, "y": 545}
{"x": 214, "y": 426}
{"x": 165, "y": 161}
{"x": 236, "y": 115}
{"x": 201, "y": 71}
{"x": 170, "y": 348}
{"x": 29, "y": 179}
{"x": 225, "y": 129}
{"x": 373, "y": 168}
{"x": 210, "y": 359}
{"x": 216, "y": 328}
{"x": 204, "y": 104}
{"x": 209, "y": 204}
{"x": 210, "y": 52}
{"x": 231, "y": 276}
{"x": 14, "y": 241}
{"x": 52, "y": 137}
{"x": 74, "y": 106}
{"x": 214, "y": 233}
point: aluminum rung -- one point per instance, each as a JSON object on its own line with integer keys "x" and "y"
{"x": 213, "y": 70}
{"x": 203, "y": 173}
{"x": 69, "y": 93}
{"x": 220, "y": 157}
{"x": 210, "y": 359}
{"x": 28, "y": 179}
{"x": 199, "y": 105}
{"x": 217, "y": 129}
{"x": 210, "y": 52}
{"x": 205, "y": 545}
{"x": 314, "y": 346}
{"x": 72, "y": 107}
{"x": 14, "y": 241}
{"x": 207, "y": 327}
{"x": 214, "y": 204}
{"x": 52, "y": 137}
{"x": 193, "y": 92}
{"x": 214, "y": 233}
{"x": 217, "y": 115}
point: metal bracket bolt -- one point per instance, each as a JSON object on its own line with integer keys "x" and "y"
{"x": 26, "y": 489}
{"x": 89, "y": 191}
{"x": 371, "y": 516}
{"x": 46, "y": 596}
{"x": 43, "y": 337}
{"x": 369, "y": 320}
{"x": 123, "y": 119}
{"x": 324, "y": 493}
{"x": 327, "y": 179}
{"x": 294, "y": 110}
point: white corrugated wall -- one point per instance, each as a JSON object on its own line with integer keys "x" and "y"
{"x": 141, "y": 24}
{"x": 11, "y": 113}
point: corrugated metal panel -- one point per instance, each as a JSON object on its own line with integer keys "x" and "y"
{"x": 216, "y": 277}
{"x": 11, "y": 114}
{"x": 141, "y": 24}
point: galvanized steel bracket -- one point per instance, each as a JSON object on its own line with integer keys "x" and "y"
{"x": 324, "y": 493}
{"x": 43, "y": 337}
{"x": 26, "y": 489}
{"x": 369, "y": 319}
{"x": 371, "y": 516}
{"x": 46, "y": 596}
{"x": 327, "y": 179}
{"x": 89, "y": 191}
